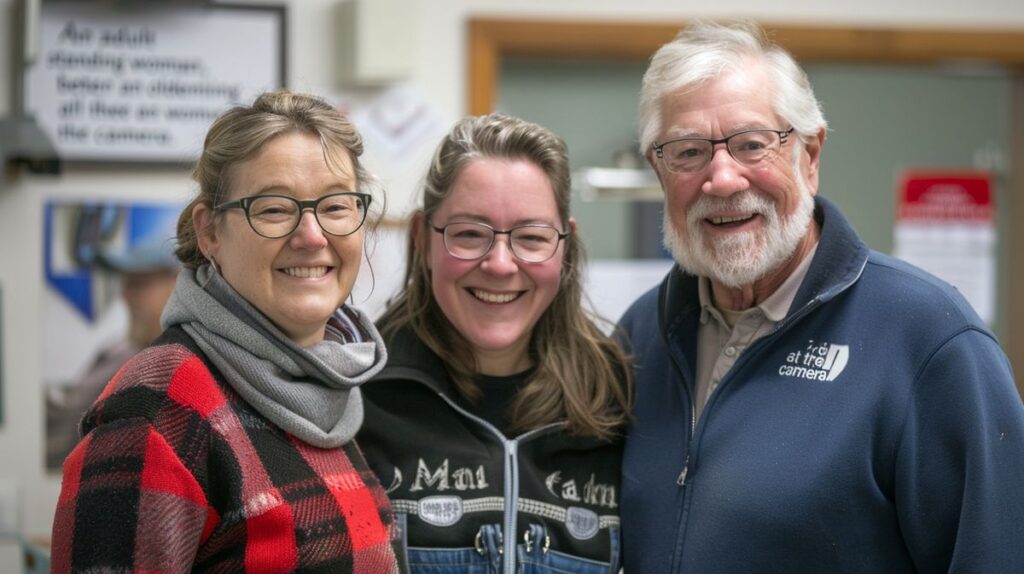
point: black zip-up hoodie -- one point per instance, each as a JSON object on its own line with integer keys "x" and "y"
{"x": 454, "y": 478}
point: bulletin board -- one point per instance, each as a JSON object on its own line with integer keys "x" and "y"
{"x": 142, "y": 83}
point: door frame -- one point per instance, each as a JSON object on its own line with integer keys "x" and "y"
{"x": 490, "y": 40}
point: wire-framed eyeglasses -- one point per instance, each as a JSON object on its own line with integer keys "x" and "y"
{"x": 532, "y": 243}
{"x": 748, "y": 147}
{"x": 275, "y": 216}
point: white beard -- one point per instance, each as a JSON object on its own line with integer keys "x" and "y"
{"x": 739, "y": 259}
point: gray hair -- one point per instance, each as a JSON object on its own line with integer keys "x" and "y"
{"x": 706, "y": 50}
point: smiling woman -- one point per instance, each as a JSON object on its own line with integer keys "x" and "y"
{"x": 301, "y": 277}
{"x": 239, "y": 420}
{"x": 515, "y": 399}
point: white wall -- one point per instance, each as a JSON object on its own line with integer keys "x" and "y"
{"x": 438, "y": 77}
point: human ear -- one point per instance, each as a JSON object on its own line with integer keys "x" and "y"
{"x": 206, "y": 232}
{"x": 813, "y": 150}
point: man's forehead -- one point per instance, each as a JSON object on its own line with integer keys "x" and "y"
{"x": 681, "y": 131}
{"x": 730, "y": 103}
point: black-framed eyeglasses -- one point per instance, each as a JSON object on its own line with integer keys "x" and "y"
{"x": 275, "y": 216}
{"x": 532, "y": 243}
{"x": 749, "y": 147}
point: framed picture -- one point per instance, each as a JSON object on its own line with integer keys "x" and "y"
{"x": 109, "y": 269}
{"x": 141, "y": 82}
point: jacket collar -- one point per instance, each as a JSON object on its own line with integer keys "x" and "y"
{"x": 409, "y": 358}
{"x": 839, "y": 260}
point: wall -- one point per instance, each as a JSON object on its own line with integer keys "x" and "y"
{"x": 438, "y": 77}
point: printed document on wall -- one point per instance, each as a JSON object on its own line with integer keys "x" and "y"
{"x": 945, "y": 224}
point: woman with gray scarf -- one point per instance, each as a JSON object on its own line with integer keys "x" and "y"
{"x": 228, "y": 444}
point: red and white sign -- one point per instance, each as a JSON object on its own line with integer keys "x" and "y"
{"x": 946, "y": 197}
{"x": 945, "y": 224}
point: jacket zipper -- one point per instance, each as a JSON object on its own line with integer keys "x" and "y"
{"x": 681, "y": 479}
{"x": 511, "y": 501}
{"x": 511, "y": 448}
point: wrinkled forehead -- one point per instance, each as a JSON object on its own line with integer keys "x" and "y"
{"x": 732, "y": 101}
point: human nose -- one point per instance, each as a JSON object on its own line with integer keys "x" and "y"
{"x": 725, "y": 175}
{"x": 308, "y": 234}
{"x": 500, "y": 260}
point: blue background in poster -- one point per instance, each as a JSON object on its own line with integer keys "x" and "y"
{"x": 96, "y": 228}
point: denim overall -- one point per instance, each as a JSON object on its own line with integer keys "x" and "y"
{"x": 533, "y": 555}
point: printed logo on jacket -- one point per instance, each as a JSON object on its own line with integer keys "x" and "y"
{"x": 440, "y": 508}
{"x": 818, "y": 361}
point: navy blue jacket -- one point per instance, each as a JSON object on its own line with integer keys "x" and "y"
{"x": 877, "y": 428}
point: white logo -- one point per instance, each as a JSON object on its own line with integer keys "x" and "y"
{"x": 582, "y": 523}
{"x": 395, "y": 482}
{"x": 440, "y": 510}
{"x": 818, "y": 362}
{"x": 444, "y": 478}
{"x": 593, "y": 492}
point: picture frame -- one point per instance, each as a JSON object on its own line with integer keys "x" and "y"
{"x": 141, "y": 83}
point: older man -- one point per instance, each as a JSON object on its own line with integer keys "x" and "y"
{"x": 804, "y": 404}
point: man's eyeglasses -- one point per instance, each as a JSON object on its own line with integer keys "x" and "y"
{"x": 275, "y": 216}
{"x": 532, "y": 243}
{"x": 749, "y": 147}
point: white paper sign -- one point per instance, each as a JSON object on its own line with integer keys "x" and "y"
{"x": 945, "y": 224}
{"x": 138, "y": 83}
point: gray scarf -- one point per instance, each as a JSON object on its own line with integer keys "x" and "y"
{"x": 310, "y": 392}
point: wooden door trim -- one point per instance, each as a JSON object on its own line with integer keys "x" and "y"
{"x": 491, "y": 40}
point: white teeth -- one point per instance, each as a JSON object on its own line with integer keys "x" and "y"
{"x": 721, "y": 220}
{"x": 306, "y": 272}
{"x": 494, "y": 297}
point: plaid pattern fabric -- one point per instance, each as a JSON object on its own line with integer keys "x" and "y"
{"x": 178, "y": 474}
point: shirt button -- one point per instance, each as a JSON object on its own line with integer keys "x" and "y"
{"x": 730, "y": 351}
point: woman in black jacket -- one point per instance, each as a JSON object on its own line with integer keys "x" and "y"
{"x": 496, "y": 424}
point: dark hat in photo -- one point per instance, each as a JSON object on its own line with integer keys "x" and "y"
{"x": 154, "y": 253}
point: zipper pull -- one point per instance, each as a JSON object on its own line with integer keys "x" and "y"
{"x": 681, "y": 481}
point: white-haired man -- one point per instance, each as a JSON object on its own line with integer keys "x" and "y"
{"x": 804, "y": 404}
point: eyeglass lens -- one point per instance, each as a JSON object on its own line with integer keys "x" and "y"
{"x": 276, "y": 216}
{"x": 688, "y": 155}
{"x": 531, "y": 243}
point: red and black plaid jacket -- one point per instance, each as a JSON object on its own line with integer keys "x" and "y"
{"x": 177, "y": 473}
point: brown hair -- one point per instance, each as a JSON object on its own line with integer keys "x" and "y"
{"x": 581, "y": 374}
{"x": 242, "y": 131}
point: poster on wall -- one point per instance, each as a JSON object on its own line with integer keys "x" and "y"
{"x": 109, "y": 268}
{"x": 136, "y": 82}
{"x": 945, "y": 224}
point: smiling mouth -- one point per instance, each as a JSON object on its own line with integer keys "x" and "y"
{"x": 306, "y": 272}
{"x": 497, "y": 298}
{"x": 730, "y": 221}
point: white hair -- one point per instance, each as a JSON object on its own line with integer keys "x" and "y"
{"x": 707, "y": 50}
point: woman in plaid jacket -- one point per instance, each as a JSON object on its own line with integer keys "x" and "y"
{"x": 228, "y": 445}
